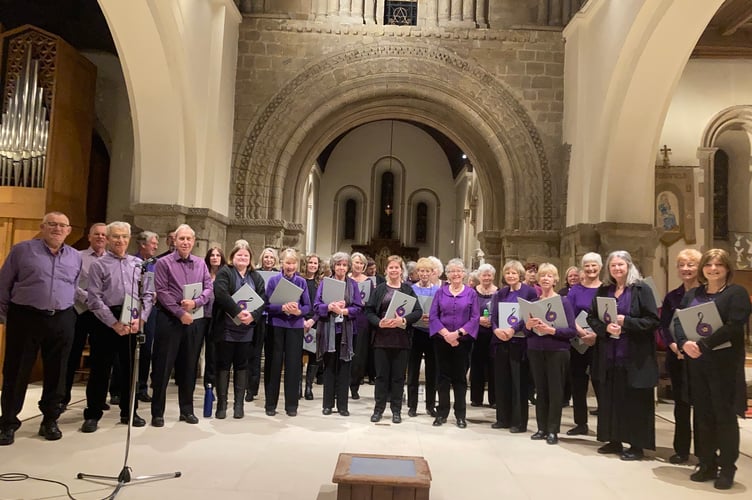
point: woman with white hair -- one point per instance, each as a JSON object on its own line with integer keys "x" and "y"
{"x": 581, "y": 367}
{"x": 627, "y": 361}
{"x": 481, "y": 362}
{"x": 453, "y": 323}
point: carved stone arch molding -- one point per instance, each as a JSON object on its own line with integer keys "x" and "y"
{"x": 392, "y": 79}
{"x": 732, "y": 118}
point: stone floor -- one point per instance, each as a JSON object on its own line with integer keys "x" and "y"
{"x": 280, "y": 457}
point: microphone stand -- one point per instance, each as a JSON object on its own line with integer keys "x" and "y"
{"x": 124, "y": 477}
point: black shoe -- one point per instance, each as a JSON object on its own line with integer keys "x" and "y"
{"x": 632, "y": 454}
{"x": 137, "y": 421}
{"x": 431, "y": 410}
{"x": 188, "y": 418}
{"x": 326, "y": 411}
{"x": 476, "y": 405}
{"x": 344, "y": 413}
{"x": 396, "y": 418}
{"x": 271, "y": 413}
{"x": 354, "y": 394}
{"x": 438, "y": 421}
{"x": 308, "y": 394}
{"x": 461, "y": 422}
{"x": 678, "y": 459}
{"x": 114, "y": 400}
{"x": 538, "y": 435}
{"x": 89, "y": 425}
{"x": 552, "y": 438}
{"x": 499, "y": 425}
{"x": 63, "y": 407}
{"x": 578, "y": 430}
{"x": 157, "y": 421}
{"x": 49, "y": 430}
{"x": 612, "y": 448}
{"x": 725, "y": 479}
{"x": 7, "y": 437}
{"x": 376, "y": 416}
{"x": 248, "y": 396}
{"x": 105, "y": 407}
{"x": 517, "y": 430}
{"x": 144, "y": 397}
{"x": 704, "y": 472}
{"x": 594, "y": 412}
{"x": 292, "y": 413}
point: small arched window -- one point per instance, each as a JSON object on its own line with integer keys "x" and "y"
{"x": 421, "y": 223}
{"x": 351, "y": 209}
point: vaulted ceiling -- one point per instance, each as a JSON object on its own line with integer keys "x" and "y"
{"x": 729, "y": 33}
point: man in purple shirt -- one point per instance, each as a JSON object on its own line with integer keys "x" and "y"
{"x": 178, "y": 337}
{"x": 37, "y": 292}
{"x": 148, "y": 242}
{"x": 85, "y": 320}
{"x": 112, "y": 278}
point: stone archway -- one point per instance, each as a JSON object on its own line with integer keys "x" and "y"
{"x": 393, "y": 80}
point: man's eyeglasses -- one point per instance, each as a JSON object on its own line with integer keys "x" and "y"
{"x": 61, "y": 225}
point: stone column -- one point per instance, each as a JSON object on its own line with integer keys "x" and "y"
{"x": 554, "y": 13}
{"x": 356, "y": 10}
{"x": 369, "y": 12}
{"x": 536, "y": 246}
{"x": 443, "y": 12}
{"x": 431, "y": 9}
{"x": 344, "y": 9}
{"x": 481, "y": 6}
{"x": 576, "y": 241}
{"x": 491, "y": 245}
{"x": 320, "y": 9}
{"x": 456, "y": 10}
{"x": 257, "y": 6}
{"x": 640, "y": 240}
{"x": 468, "y": 11}
{"x": 707, "y": 162}
{"x": 245, "y": 6}
{"x": 542, "y": 19}
{"x": 332, "y": 8}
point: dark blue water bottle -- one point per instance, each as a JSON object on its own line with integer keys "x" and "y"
{"x": 208, "y": 401}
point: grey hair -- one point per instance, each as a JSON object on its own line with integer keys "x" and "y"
{"x": 456, "y": 263}
{"x": 185, "y": 227}
{"x": 411, "y": 265}
{"x": 486, "y": 268}
{"x": 633, "y": 275}
{"x": 361, "y": 257}
{"x": 339, "y": 257}
{"x": 118, "y": 225}
{"x": 592, "y": 257}
{"x": 145, "y": 236}
{"x": 437, "y": 264}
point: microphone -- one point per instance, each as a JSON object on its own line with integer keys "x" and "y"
{"x": 148, "y": 261}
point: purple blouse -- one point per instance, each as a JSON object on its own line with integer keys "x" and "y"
{"x": 617, "y": 349}
{"x": 281, "y": 319}
{"x": 454, "y": 312}
{"x": 559, "y": 341}
{"x": 507, "y": 295}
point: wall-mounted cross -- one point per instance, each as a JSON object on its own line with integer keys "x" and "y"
{"x": 666, "y": 152}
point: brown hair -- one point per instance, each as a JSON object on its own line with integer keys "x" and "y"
{"x": 716, "y": 254}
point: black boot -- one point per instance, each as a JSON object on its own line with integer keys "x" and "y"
{"x": 310, "y": 374}
{"x": 223, "y": 382}
{"x": 241, "y": 380}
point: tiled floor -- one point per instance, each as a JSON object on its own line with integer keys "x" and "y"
{"x": 280, "y": 457}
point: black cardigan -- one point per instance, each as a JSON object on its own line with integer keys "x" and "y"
{"x": 639, "y": 331}
{"x": 224, "y": 287}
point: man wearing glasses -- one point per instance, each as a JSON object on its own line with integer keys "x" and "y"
{"x": 37, "y": 292}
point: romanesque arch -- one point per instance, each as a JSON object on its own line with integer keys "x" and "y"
{"x": 394, "y": 80}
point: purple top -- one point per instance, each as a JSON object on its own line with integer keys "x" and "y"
{"x": 559, "y": 341}
{"x": 420, "y": 291}
{"x": 581, "y": 298}
{"x": 172, "y": 273}
{"x": 617, "y": 349}
{"x": 33, "y": 276}
{"x": 87, "y": 257}
{"x": 110, "y": 278}
{"x": 353, "y": 309}
{"x": 454, "y": 312}
{"x": 284, "y": 320}
{"x": 506, "y": 295}
{"x": 670, "y": 304}
{"x": 484, "y": 304}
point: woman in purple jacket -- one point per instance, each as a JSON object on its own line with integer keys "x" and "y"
{"x": 510, "y": 363}
{"x": 548, "y": 351}
{"x": 335, "y": 335}
{"x": 286, "y": 321}
{"x": 453, "y": 323}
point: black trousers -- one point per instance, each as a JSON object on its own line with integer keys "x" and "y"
{"x": 580, "y": 367}
{"x": 481, "y": 368}
{"x": 232, "y": 354}
{"x": 625, "y": 414}
{"x": 711, "y": 382}
{"x": 27, "y": 331}
{"x": 144, "y": 363}
{"x": 452, "y": 365}
{"x": 511, "y": 372}
{"x": 550, "y": 370}
{"x": 422, "y": 348}
{"x": 175, "y": 345}
{"x": 336, "y": 378}
{"x": 106, "y": 347}
{"x": 288, "y": 350}
{"x": 85, "y": 324}
{"x": 390, "y": 367}
{"x": 677, "y": 369}
{"x": 255, "y": 355}
{"x": 210, "y": 355}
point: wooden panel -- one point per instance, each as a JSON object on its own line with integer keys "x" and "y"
{"x": 344, "y": 492}
{"x": 361, "y": 492}
{"x": 404, "y": 494}
{"x": 22, "y": 203}
{"x": 382, "y": 492}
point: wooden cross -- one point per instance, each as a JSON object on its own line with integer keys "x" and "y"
{"x": 666, "y": 152}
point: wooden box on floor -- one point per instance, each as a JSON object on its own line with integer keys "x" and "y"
{"x": 381, "y": 477}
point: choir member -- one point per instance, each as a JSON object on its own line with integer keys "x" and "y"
{"x": 481, "y": 361}
{"x": 422, "y": 347}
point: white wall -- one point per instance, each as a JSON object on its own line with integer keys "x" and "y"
{"x": 425, "y": 166}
